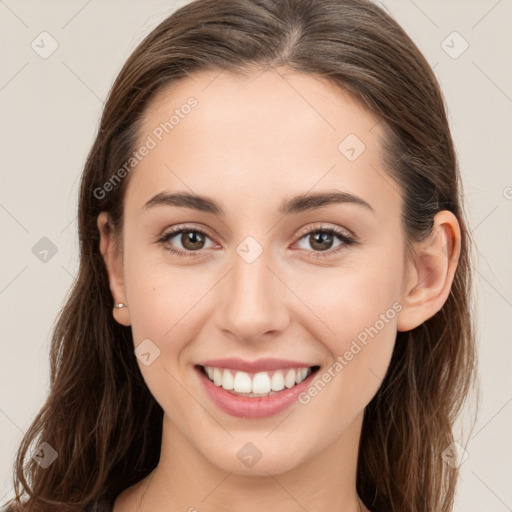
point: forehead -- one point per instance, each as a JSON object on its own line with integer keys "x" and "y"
{"x": 263, "y": 99}
{"x": 275, "y": 132}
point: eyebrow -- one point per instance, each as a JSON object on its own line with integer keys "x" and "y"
{"x": 298, "y": 204}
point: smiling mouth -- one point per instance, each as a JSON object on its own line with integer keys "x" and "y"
{"x": 259, "y": 384}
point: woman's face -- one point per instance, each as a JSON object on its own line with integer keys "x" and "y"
{"x": 267, "y": 288}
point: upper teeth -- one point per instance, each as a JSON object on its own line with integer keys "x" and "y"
{"x": 260, "y": 383}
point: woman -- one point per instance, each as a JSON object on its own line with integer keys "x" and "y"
{"x": 272, "y": 306}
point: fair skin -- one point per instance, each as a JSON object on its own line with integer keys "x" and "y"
{"x": 250, "y": 144}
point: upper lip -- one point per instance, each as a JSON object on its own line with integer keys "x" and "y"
{"x": 260, "y": 365}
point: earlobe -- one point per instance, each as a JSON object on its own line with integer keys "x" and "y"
{"x": 431, "y": 273}
{"x": 114, "y": 265}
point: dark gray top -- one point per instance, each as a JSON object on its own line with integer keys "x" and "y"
{"x": 105, "y": 504}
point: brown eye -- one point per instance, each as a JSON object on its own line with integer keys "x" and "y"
{"x": 192, "y": 240}
{"x": 321, "y": 241}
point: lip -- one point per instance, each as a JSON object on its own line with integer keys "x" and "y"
{"x": 256, "y": 407}
{"x": 260, "y": 365}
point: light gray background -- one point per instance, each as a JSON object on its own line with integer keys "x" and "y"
{"x": 50, "y": 112}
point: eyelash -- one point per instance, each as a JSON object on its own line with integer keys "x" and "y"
{"x": 346, "y": 239}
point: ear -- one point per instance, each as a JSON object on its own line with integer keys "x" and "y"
{"x": 112, "y": 256}
{"x": 430, "y": 274}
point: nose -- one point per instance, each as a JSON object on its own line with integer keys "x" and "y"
{"x": 253, "y": 300}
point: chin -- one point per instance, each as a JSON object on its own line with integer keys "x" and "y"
{"x": 258, "y": 457}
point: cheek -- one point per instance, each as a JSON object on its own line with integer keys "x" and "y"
{"x": 363, "y": 319}
{"x": 347, "y": 300}
{"x": 161, "y": 301}
{"x": 357, "y": 308}
{"x": 160, "y": 298}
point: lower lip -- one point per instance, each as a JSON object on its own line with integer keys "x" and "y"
{"x": 256, "y": 407}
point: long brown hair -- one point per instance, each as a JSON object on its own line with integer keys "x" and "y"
{"x": 100, "y": 417}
